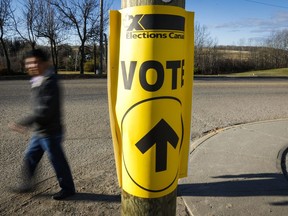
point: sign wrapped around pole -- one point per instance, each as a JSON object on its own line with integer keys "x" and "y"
{"x": 151, "y": 58}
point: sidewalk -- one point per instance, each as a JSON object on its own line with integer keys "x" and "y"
{"x": 233, "y": 172}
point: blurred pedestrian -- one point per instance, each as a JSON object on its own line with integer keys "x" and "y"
{"x": 46, "y": 120}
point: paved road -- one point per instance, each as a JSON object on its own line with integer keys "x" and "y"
{"x": 225, "y": 103}
{"x": 216, "y": 104}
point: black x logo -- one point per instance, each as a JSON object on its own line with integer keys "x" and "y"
{"x": 135, "y": 22}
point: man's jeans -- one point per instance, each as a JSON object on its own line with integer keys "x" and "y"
{"x": 53, "y": 146}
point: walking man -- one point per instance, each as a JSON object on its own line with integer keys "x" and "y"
{"x": 46, "y": 120}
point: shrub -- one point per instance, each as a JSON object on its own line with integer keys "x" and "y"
{"x": 89, "y": 66}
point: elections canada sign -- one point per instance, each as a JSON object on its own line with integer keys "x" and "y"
{"x": 154, "y": 94}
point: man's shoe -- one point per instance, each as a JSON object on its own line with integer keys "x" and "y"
{"x": 63, "y": 194}
{"x": 23, "y": 188}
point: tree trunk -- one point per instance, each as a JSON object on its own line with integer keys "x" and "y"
{"x": 82, "y": 57}
{"x": 94, "y": 58}
{"x": 53, "y": 48}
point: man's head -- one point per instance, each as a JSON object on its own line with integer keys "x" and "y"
{"x": 36, "y": 62}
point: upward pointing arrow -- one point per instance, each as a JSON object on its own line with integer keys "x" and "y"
{"x": 159, "y": 135}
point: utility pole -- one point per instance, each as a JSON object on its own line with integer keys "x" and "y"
{"x": 132, "y": 205}
{"x": 101, "y": 39}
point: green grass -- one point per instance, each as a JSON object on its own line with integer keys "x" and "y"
{"x": 267, "y": 73}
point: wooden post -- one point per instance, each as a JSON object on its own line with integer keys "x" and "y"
{"x": 163, "y": 206}
{"x": 101, "y": 39}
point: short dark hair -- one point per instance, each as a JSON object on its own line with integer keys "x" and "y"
{"x": 38, "y": 53}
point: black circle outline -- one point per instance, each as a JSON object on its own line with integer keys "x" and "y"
{"x": 182, "y": 124}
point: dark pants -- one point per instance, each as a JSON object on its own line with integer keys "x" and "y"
{"x": 52, "y": 145}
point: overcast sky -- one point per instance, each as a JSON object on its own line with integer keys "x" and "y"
{"x": 237, "y": 22}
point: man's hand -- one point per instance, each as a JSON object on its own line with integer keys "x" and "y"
{"x": 18, "y": 128}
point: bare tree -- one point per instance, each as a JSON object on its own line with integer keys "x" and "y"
{"x": 81, "y": 15}
{"x": 49, "y": 25}
{"x": 25, "y": 24}
{"x": 278, "y": 42}
{"x": 205, "y": 50}
{"x": 5, "y": 23}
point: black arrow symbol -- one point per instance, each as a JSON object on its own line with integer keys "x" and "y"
{"x": 159, "y": 135}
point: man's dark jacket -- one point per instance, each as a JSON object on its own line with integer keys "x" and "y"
{"x": 46, "y": 101}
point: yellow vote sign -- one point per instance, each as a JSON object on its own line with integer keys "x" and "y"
{"x": 150, "y": 96}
